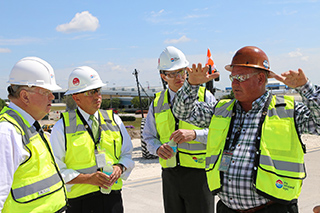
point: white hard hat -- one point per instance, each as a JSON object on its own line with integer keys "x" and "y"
{"x": 82, "y": 79}
{"x": 33, "y": 71}
{"x": 172, "y": 59}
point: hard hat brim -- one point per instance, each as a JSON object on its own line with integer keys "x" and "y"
{"x": 70, "y": 92}
{"x": 45, "y": 86}
{"x": 51, "y": 87}
{"x": 230, "y": 67}
{"x": 175, "y": 67}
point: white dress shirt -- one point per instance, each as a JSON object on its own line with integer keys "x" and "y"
{"x": 57, "y": 140}
{"x": 150, "y": 133}
{"x": 12, "y": 153}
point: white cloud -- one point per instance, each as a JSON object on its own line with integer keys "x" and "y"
{"x": 5, "y": 50}
{"x": 114, "y": 67}
{"x": 156, "y": 17}
{"x": 286, "y": 12}
{"x": 83, "y": 21}
{"x": 19, "y": 41}
{"x": 155, "y": 14}
{"x": 175, "y": 41}
{"x": 195, "y": 16}
{"x": 298, "y": 54}
{"x": 292, "y": 2}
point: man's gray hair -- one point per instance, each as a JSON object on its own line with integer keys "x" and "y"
{"x": 14, "y": 90}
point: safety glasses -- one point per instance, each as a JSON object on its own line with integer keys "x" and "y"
{"x": 242, "y": 78}
{"x": 40, "y": 91}
{"x": 92, "y": 92}
{"x": 181, "y": 72}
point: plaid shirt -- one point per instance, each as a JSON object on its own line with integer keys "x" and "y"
{"x": 237, "y": 190}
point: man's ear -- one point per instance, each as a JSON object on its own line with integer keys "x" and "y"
{"x": 262, "y": 78}
{"x": 164, "y": 77}
{"x": 25, "y": 97}
{"x": 76, "y": 98}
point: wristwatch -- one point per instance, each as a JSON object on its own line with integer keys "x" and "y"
{"x": 122, "y": 167}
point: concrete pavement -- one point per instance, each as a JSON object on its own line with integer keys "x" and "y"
{"x": 144, "y": 194}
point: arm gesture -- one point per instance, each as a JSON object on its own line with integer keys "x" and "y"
{"x": 199, "y": 74}
{"x": 291, "y": 78}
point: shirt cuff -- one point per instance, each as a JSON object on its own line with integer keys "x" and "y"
{"x": 201, "y": 135}
{"x": 305, "y": 90}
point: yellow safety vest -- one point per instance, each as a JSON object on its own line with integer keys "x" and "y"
{"x": 279, "y": 162}
{"x": 190, "y": 154}
{"x": 37, "y": 183}
{"x": 80, "y": 148}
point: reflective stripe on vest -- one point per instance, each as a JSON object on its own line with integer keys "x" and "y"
{"x": 282, "y": 165}
{"x": 223, "y": 109}
{"x": 81, "y": 148}
{"x": 279, "y": 169}
{"x": 73, "y": 127}
{"x": 90, "y": 170}
{"x": 192, "y": 153}
{"x": 161, "y": 104}
{"x": 192, "y": 147}
{"x": 36, "y": 187}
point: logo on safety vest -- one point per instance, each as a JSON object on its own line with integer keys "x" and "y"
{"x": 279, "y": 184}
{"x": 76, "y": 81}
{"x": 198, "y": 160}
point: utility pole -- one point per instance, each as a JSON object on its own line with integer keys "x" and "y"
{"x": 136, "y": 75}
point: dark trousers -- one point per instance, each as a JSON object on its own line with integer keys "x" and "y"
{"x": 97, "y": 202}
{"x": 272, "y": 208}
{"x": 185, "y": 190}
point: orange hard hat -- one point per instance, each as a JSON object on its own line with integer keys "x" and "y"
{"x": 250, "y": 56}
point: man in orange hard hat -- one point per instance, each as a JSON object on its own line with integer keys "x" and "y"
{"x": 246, "y": 165}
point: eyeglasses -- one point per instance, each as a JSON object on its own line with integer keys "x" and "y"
{"x": 242, "y": 78}
{"x": 44, "y": 92}
{"x": 92, "y": 92}
{"x": 182, "y": 72}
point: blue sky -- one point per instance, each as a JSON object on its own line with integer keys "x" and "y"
{"x": 116, "y": 37}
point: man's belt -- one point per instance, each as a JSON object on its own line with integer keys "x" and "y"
{"x": 255, "y": 209}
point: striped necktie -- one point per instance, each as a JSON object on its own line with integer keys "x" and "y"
{"x": 94, "y": 127}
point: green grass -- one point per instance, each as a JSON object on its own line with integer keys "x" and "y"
{"x": 135, "y": 123}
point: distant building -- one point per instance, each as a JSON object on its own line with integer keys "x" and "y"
{"x": 126, "y": 94}
{"x": 277, "y": 87}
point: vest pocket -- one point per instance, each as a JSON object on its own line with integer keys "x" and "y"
{"x": 38, "y": 145}
{"x": 275, "y": 132}
{"x": 218, "y": 130}
{"x": 81, "y": 152}
{"x": 165, "y": 125}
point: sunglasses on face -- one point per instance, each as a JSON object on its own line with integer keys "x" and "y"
{"x": 92, "y": 92}
{"x": 181, "y": 72}
{"x": 242, "y": 78}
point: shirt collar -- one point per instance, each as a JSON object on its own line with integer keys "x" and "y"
{"x": 23, "y": 113}
{"x": 172, "y": 95}
{"x": 259, "y": 102}
{"x": 86, "y": 115}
